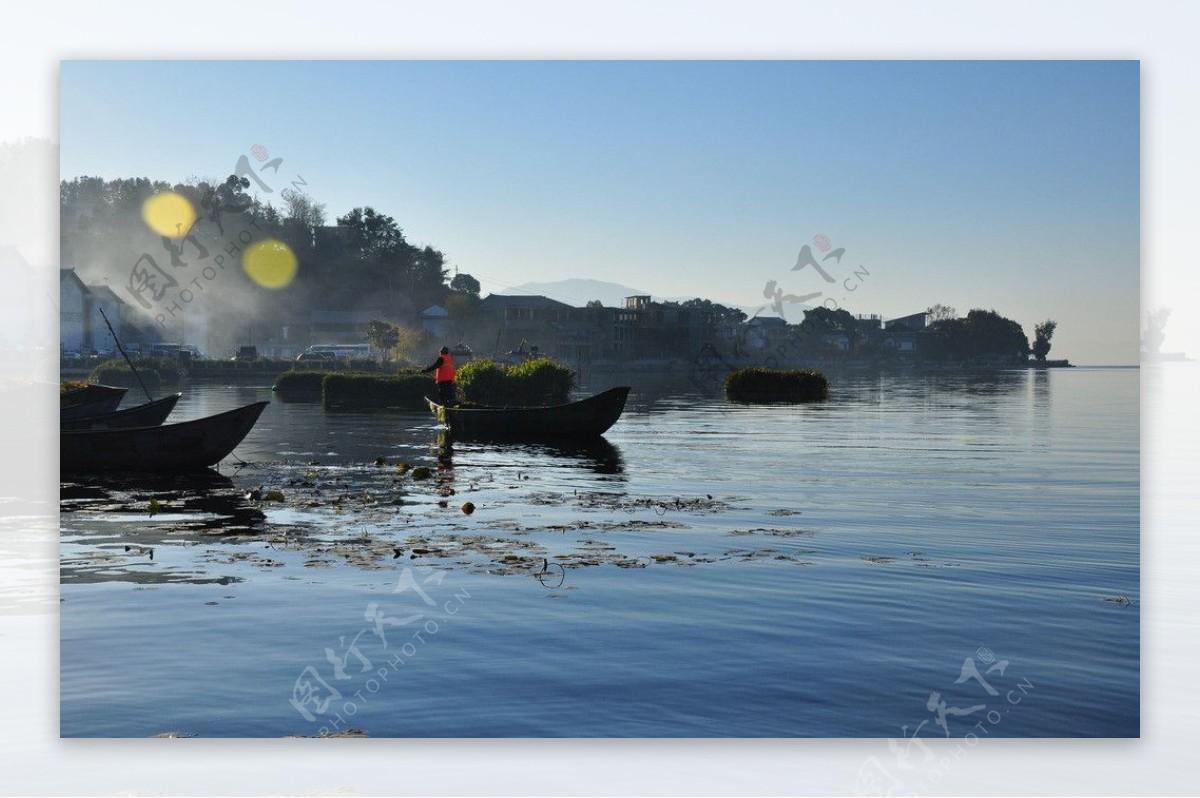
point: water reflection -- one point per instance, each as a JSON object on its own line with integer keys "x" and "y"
{"x": 207, "y": 502}
{"x": 125, "y": 519}
{"x": 979, "y": 383}
{"x": 597, "y": 455}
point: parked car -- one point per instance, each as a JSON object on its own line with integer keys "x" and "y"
{"x": 315, "y": 357}
{"x": 194, "y": 352}
{"x": 245, "y": 353}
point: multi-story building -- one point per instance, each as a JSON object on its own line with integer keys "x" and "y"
{"x": 533, "y": 320}
{"x": 903, "y": 334}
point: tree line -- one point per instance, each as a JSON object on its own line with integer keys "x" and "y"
{"x": 980, "y": 334}
{"x": 362, "y": 261}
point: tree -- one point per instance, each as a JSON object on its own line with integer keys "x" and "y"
{"x": 395, "y": 340}
{"x": 427, "y": 275}
{"x": 1156, "y": 325}
{"x": 372, "y": 234}
{"x": 720, "y": 313}
{"x": 1042, "y": 335}
{"x": 411, "y": 340}
{"x": 821, "y": 320}
{"x": 982, "y": 334}
{"x": 301, "y": 210}
{"x": 595, "y": 303}
{"x": 940, "y": 312}
{"x": 466, "y": 284}
{"x": 464, "y": 314}
{"x": 384, "y": 336}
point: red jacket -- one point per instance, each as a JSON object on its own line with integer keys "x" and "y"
{"x": 444, "y": 369}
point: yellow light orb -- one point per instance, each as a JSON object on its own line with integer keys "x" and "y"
{"x": 270, "y": 263}
{"x": 169, "y": 214}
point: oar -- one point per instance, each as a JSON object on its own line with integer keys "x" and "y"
{"x": 121, "y": 349}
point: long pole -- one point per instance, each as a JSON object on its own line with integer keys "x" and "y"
{"x": 121, "y": 349}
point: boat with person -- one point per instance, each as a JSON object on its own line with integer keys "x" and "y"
{"x": 150, "y": 414}
{"x": 187, "y": 446}
{"x": 90, "y": 400}
{"x": 587, "y": 418}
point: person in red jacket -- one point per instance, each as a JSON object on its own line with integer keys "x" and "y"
{"x": 443, "y": 375}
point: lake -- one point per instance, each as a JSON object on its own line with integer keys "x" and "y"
{"x": 934, "y": 556}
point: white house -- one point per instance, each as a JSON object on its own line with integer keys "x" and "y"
{"x": 435, "y": 319}
{"x": 74, "y": 305}
{"x": 114, "y": 307}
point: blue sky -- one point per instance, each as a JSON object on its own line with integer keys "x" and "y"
{"x": 1008, "y": 185}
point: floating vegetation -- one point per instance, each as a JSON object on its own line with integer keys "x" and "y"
{"x": 326, "y": 734}
{"x": 536, "y": 382}
{"x": 761, "y": 385}
{"x": 153, "y": 372}
{"x": 299, "y": 383}
{"x": 661, "y": 505}
{"x": 1120, "y": 601}
{"x": 368, "y": 517}
{"x": 777, "y": 533}
{"x": 916, "y": 558}
{"x": 632, "y": 525}
{"x": 357, "y": 391}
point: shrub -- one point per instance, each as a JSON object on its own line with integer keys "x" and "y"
{"x": 117, "y": 372}
{"x": 482, "y": 382}
{"x": 532, "y": 383}
{"x": 349, "y": 391}
{"x": 776, "y": 385}
{"x": 541, "y": 381}
{"x": 299, "y": 382}
{"x": 168, "y": 369}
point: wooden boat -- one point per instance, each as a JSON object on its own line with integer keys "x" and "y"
{"x": 587, "y": 418}
{"x": 90, "y": 400}
{"x": 150, "y": 414}
{"x": 187, "y": 446}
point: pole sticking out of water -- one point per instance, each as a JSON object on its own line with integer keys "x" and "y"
{"x": 121, "y": 349}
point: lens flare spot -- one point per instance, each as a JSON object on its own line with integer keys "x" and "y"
{"x": 169, "y": 214}
{"x": 270, "y": 263}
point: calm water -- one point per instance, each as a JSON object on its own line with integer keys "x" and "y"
{"x": 713, "y": 570}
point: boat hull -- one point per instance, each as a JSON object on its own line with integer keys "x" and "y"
{"x": 188, "y": 446}
{"x": 88, "y": 401}
{"x": 587, "y": 418}
{"x": 151, "y": 414}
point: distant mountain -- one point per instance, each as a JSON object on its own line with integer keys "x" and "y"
{"x": 578, "y": 292}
